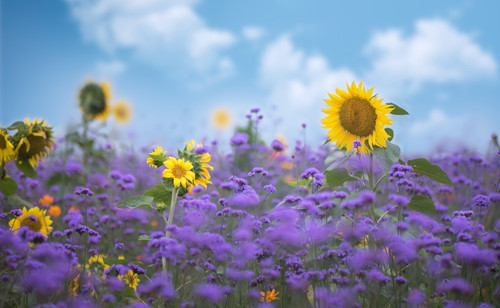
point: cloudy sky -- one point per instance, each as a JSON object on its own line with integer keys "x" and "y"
{"x": 176, "y": 61}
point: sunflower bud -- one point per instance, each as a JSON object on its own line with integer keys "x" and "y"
{"x": 161, "y": 207}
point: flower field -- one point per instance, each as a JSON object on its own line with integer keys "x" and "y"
{"x": 351, "y": 223}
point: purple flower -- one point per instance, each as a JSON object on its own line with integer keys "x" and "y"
{"x": 210, "y": 292}
{"x": 481, "y": 201}
{"x": 277, "y": 145}
{"x": 470, "y": 254}
{"x": 458, "y": 285}
{"x": 357, "y": 143}
{"x": 73, "y": 168}
{"x": 270, "y": 188}
{"x": 255, "y": 110}
{"x": 159, "y": 284}
{"x": 239, "y": 139}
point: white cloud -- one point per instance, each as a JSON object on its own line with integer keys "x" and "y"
{"x": 162, "y": 32}
{"x": 436, "y": 52}
{"x": 252, "y": 33}
{"x": 109, "y": 69}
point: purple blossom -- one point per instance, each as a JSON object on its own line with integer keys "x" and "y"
{"x": 277, "y": 145}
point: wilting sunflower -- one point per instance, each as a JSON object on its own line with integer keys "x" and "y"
{"x": 35, "y": 219}
{"x": 94, "y": 100}
{"x": 6, "y": 148}
{"x": 356, "y": 114}
{"x": 131, "y": 279}
{"x": 180, "y": 171}
{"x": 157, "y": 157}
{"x": 122, "y": 112}
{"x": 34, "y": 141}
{"x": 221, "y": 118}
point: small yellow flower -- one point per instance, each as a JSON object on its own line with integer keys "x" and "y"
{"x": 356, "y": 115}
{"x": 130, "y": 279}
{"x": 6, "y": 148}
{"x": 97, "y": 262}
{"x": 122, "y": 112}
{"x": 221, "y": 118}
{"x": 35, "y": 219}
{"x": 269, "y": 296}
{"x": 180, "y": 171}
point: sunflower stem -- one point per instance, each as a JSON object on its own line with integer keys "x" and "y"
{"x": 168, "y": 222}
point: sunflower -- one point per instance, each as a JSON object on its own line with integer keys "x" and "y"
{"x": 356, "y": 114}
{"x": 157, "y": 157}
{"x": 221, "y": 118}
{"x": 179, "y": 170}
{"x": 269, "y": 296}
{"x": 131, "y": 279}
{"x": 122, "y": 112}
{"x": 34, "y": 141}
{"x": 94, "y": 100}
{"x": 200, "y": 162}
{"x": 6, "y": 148}
{"x": 96, "y": 262}
{"x": 35, "y": 219}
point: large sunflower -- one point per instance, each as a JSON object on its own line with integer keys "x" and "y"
{"x": 94, "y": 100}
{"x": 35, "y": 219}
{"x": 35, "y": 141}
{"x": 356, "y": 114}
{"x": 6, "y": 148}
{"x": 180, "y": 171}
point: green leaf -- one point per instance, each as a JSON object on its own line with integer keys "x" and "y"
{"x": 17, "y": 201}
{"x": 144, "y": 237}
{"x": 25, "y": 167}
{"x": 8, "y": 186}
{"x": 401, "y": 162}
{"x": 422, "y": 204}
{"x": 327, "y": 141}
{"x": 424, "y": 167}
{"x": 300, "y": 183}
{"x": 16, "y": 125}
{"x": 54, "y": 179}
{"x": 159, "y": 194}
{"x": 390, "y": 132}
{"x": 135, "y": 202}
{"x": 338, "y": 176}
{"x": 387, "y": 156}
{"x": 398, "y": 110}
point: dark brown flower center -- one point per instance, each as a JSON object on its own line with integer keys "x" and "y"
{"x": 3, "y": 142}
{"x": 358, "y": 117}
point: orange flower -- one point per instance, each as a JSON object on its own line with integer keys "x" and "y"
{"x": 269, "y": 296}
{"x": 46, "y": 200}
{"x": 154, "y": 223}
{"x": 54, "y": 211}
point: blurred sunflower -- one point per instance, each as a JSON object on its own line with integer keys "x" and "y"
{"x": 6, "y": 148}
{"x": 33, "y": 141}
{"x": 122, "y": 111}
{"x": 131, "y": 279}
{"x": 221, "y": 118}
{"x": 94, "y": 100}
{"x": 356, "y": 114}
{"x": 35, "y": 219}
{"x": 180, "y": 171}
{"x": 157, "y": 157}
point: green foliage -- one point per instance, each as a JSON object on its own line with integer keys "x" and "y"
{"x": 338, "y": 176}
{"x": 397, "y": 110}
{"x": 25, "y": 167}
{"x": 387, "y": 156}
{"x": 390, "y": 132}
{"x": 159, "y": 194}
{"x": 17, "y": 201}
{"x": 8, "y": 186}
{"x": 422, "y": 204}
{"x": 424, "y": 167}
{"x": 135, "y": 202}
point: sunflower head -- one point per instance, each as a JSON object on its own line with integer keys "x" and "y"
{"x": 34, "y": 219}
{"x": 94, "y": 100}
{"x": 33, "y": 141}
{"x": 157, "y": 157}
{"x": 221, "y": 118}
{"x": 122, "y": 111}
{"x": 6, "y": 148}
{"x": 180, "y": 171}
{"x": 356, "y": 114}
{"x": 131, "y": 279}
{"x": 198, "y": 156}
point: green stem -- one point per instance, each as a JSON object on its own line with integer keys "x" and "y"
{"x": 380, "y": 180}
{"x": 168, "y": 222}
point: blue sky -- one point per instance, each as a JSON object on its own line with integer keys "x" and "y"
{"x": 177, "y": 61}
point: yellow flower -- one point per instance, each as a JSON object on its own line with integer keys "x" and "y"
{"x": 221, "y": 118}
{"x": 97, "y": 262}
{"x": 122, "y": 112}
{"x": 356, "y": 114}
{"x": 6, "y": 148}
{"x": 35, "y": 219}
{"x": 94, "y": 100}
{"x": 36, "y": 143}
{"x": 130, "y": 279}
{"x": 157, "y": 152}
{"x": 180, "y": 171}
{"x": 269, "y": 296}
{"x": 204, "y": 176}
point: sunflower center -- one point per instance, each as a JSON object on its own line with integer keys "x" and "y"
{"x": 178, "y": 172}
{"x": 3, "y": 143}
{"x": 33, "y": 225}
{"x": 358, "y": 117}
